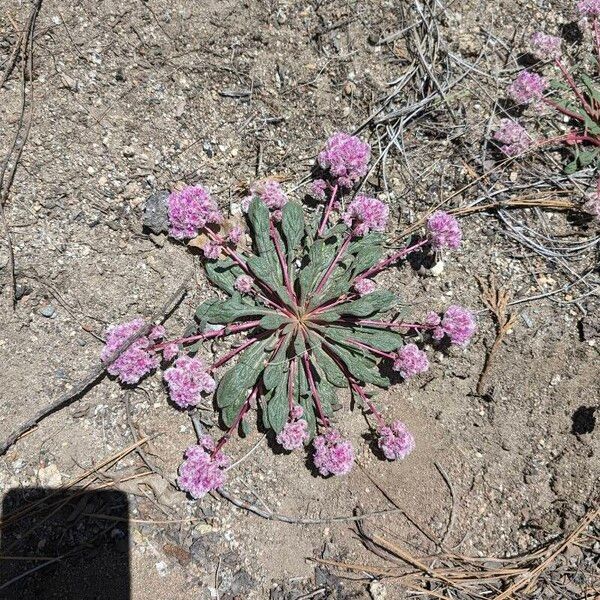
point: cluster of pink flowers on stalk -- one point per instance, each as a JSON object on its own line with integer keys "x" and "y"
{"x": 243, "y": 284}
{"x": 191, "y": 209}
{"x": 527, "y": 87}
{"x": 201, "y": 472}
{"x": 187, "y": 380}
{"x": 443, "y": 231}
{"x": 295, "y": 432}
{"x": 545, "y": 46}
{"x": 411, "y": 361}
{"x": 139, "y": 359}
{"x": 366, "y": 214}
{"x": 271, "y": 193}
{"x": 333, "y": 454}
{"x": 345, "y": 158}
{"x": 364, "y": 286}
{"x": 396, "y": 441}
{"x": 589, "y": 8}
{"x": 458, "y": 324}
{"x": 513, "y": 136}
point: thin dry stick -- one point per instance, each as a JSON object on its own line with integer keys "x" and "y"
{"x": 94, "y": 375}
{"x": 497, "y": 300}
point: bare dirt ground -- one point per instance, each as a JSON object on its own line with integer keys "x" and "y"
{"x": 133, "y": 98}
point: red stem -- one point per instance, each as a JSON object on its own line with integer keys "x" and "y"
{"x": 588, "y": 109}
{"x": 392, "y": 259}
{"x": 371, "y": 349}
{"x": 327, "y": 212}
{"x": 235, "y": 352}
{"x": 313, "y": 389}
{"x": 237, "y": 421}
{"x": 391, "y": 325}
{"x": 334, "y": 262}
{"x": 378, "y": 416}
{"x": 282, "y": 262}
{"x": 564, "y": 111}
{"x": 229, "y": 329}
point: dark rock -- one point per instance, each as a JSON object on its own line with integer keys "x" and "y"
{"x": 156, "y": 217}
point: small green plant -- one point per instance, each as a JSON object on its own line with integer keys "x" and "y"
{"x": 314, "y": 318}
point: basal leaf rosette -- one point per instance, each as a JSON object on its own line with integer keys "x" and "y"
{"x": 309, "y": 317}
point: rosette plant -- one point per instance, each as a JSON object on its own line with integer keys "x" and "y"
{"x": 315, "y": 321}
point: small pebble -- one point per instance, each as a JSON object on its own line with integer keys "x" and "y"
{"x": 47, "y": 311}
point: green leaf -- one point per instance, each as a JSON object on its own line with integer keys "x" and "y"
{"x": 258, "y": 215}
{"x": 232, "y": 309}
{"x": 378, "y": 301}
{"x": 223, "y": 274}
{"x": 309, "y": 414}
{"x": 592, "y": 89}
{"x": 278, "y": 407}
{"x": 204, "y": 309}
{"x": 320, "y": 256}
{"x": 273, "y": 321}
{"x": 327, "y": 396}
{"x": 361, "y": 367}
{"x": 277, "y": 368}
{"x": 266, "y": 270}
{"x": 367, "y": 258}
{"x": 382, "y": 339}
{"x": 292, "y": 224}
{"x": 359, "y": 245}
{"x": 330, "y": 369}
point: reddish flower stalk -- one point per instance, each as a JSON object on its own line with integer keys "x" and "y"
{"x": 235, "y": 352}
{"x": 562, "y": 109}
{"x": 282, "y": 262}
{"x": 228, "y": 330}
{"x": 393, "y": 258}
{"x": 392, "y": 325}
{"x": 569, "y": 78}
{"x": 245, "y": 407}
{"x": 378, "y": 416}
{"x": 334, "y": 262}
{"x": 313, "y": 390}
{"x": 371, "y": 349}
{"x": 327, "y": 212}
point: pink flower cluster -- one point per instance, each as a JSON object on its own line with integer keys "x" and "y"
{"x": 396, "y": 441}
{"x": 271, "y": 193}
{"x": 200, "y": 472}
{"x": 295, "y": 432}
{"x": 366, "y": 214}
{"x": 317, "y": 189}
{"x": 592, "y": 205}
{"x": 364, "y": 286}
{"x": 187, "y": 379}
{"x": 333, "y": 454}
{"x": 526, "y": 87}
{"x": 243, "y": 284}
{"x": 513, "y": 136}
{"x": 458, "y": 324}
{"x": 235, "y": 235}
{"x": 190, "y": 210}
{"x": 411, "y": 361}
{"x": 346, "y": 157}
{"x": 212, "y": 250}
{"x": 443, "y": 231}
{"x": 139, "y": 359}
{"x": 545, "y": 46}
{"x": 589, "y": 8}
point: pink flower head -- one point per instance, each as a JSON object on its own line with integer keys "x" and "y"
{"x": 526, "y": 87}
{"x": 366, "y": 214}
{"x": 443, "y": 231}
{"x": 458, "y": 324}
{"x": 346, "y": 158}
{"x": 235, "y": 235}
{"x": 212, "y": 250}
{"x": 333, "y": 454}
{"x": 170, "y": 351}
{"x": 592, "y": 206}
{"x": 411, "y": 361}
{"x": 270, "y": 192}
{"x": 138, "y": 360}
{"x": 396, "y": 441}
{"x": 364, "y": 286}
{"x": 545, "y": 46}
{"x": 187, "y": 379}
{"x": 243, "y": 284}
{"x": 190, "y": 210}
{"x": 513, "y": 136}
{"x": 589, "y": 8}
{"x": 200, "y": 472}
{"x": 317, "y": 189}
{"x": 295, "y": 432}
